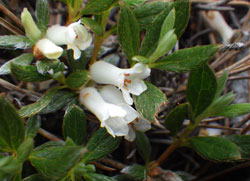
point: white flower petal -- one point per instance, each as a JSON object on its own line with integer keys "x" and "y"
{"x": 76, "y": 52}
{"x": 142, "y": 125}
{"x": 116, "y": 126}
{"x": 132, "y": 114}
{"x": 48, "y": 49}
{"x": 60, "y": 35}
{"x": 137, "y": 87}
{"x": 112, "y": 94}
{"x": 106, "y": 73}
{"x": 128, "y": 99}
{"x": 140, "y": 71}
{"x": 131, "y": 135}
{"x": 115, "y": 111}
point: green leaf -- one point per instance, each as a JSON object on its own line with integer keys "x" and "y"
{"x": 10, "y": 165}
{"x": 33, "y": 109}
{"x": 215, "y": 148}
{"x": 243, "y": 142}
{"x": 93, "y": 25}
{"x": 11, "y": 127}
{"x": 168, "y": 23}
{"x": 186, "y": 59}
{"x": 97, "y": 177}
{"x": 151, "y": 39}
{"x": 74, "y": 65}
{"x": 35, "y": 177}
{"x": 24, "y": 59}
{"x": 75, "y": 125}
{"x": 134, "y": 2}
{"x": 137, "y": 172}
{"x": 49, "y": 67}
{"x": 221, "y": 83}
{"x": 33, "y": 124}
{"x": 149, "y": 102}
{"x": 143, "y": 146}
{"x": 55, "y": 161}
{"x": 218, "y": 106}
{"x": 25, "y": 149}
{"x": 42, "y": 15}
{"x": 27, "y": 73}
{"x": 201, "y": 89}
{"x": 182, "y": 8}
{"x": 77, "y": 79}
{"x": 166, "y": 43}
{"x": 235, "y": 110}
{"x": 59, "y": 100}
{"x": 100, "y": 144}
{"x": 128, "y": 32}
{"x": 15, "y": 42}
{"x": 174, "y": 120}
{"x": 97, "y": 6}
{"x": 147, "y": 12}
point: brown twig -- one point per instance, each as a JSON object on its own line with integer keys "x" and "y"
{"x": 48, "y": 135}
{"x": 113, "y": 163}
{"x": 219, "y": 127}
{"x": 8, "y": 13}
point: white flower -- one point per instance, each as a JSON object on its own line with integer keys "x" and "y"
{"x": 46, "y": 48}
{"x": 128, "y": 80}
{"x": 75, "y": 36}
{"x": 111, "y": 116}
{"x": 112, "y": 95}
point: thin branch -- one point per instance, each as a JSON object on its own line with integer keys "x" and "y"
{"x": 48, "y": 135}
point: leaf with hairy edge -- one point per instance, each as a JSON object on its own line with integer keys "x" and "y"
{"x": 33, "y": 109}
{"x": 221, "y": 83}
{"x": 128, "y": 32}
{"x": 174, "y": 120}
{"x": 77, "y": 79}
{"x": 42, "y": 14}
{"x": 27, "y": 73}
{"x": 100, "y": 144}
{"x": 56, "y": 161}
{"x": 97, "y": 6}
{"x": 15, "y": 42}
{"x": 75, "y": 125}
{"x": 235, "y": 110}
{"x": 201, "y": 89}
{"x": 24, "y": 59}
{"x": 152, "y": 36}
{"x": 143, "y": 142}
{"x": 186, "y": 59}
{"x": 149, "y": 102}
{"x": 215, "y": 148}
{"x": 11, "y": 127}
{"x": 182, "y": 8}
{"x": 137, "y": 172}
{"x": 243, "y": 142}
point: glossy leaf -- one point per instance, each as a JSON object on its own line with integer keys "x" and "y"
{"x": 215, "y": 148}
{"x": 11, "y": 127}
{"x": 186, "y": 59}
{"x": 149, "y": 102}
{"x": 168, "y": 23}
{"x": 77, "y": 79}
{"x": 75, "y": 125}
{"x": 201, "y": 89}
{"x": 153, "y": 32}
{"x": 174, "y": 120}
{"x": 55, "y": 161}
{"x": 100, "y": 144}
{"x": 59, "y": 100}
{"x": 97, "y": 6}
{"x": 143, "y": 146}
{"x": 24, "y": 59}
{"x": 42, "y": 14}
{"x": 146, "y": 13}
{"x": 15, "y": 42}
{"x": 243, "y": 142}
{"x": 137, "y": 172}
{"x": 128, "y": 32}
{"x": 27, "y": 73}
{"x": 182, "y": 8}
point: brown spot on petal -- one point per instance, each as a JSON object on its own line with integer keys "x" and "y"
{"x": 86, "y": 95}
{"x": 127, "y": 74}
{"x": 37, "y": 53}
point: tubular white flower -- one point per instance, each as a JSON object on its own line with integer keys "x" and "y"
{"x": 112, "y": 95}
{"x": 128, "y": 80}
{"x": 111, "y": 116}
{"x": 75, "y": 36}
{"x": 46, "y": 48}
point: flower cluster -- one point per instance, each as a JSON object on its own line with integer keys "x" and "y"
{"x": 75, "y": 36}
{"x": 112, "y": 103}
